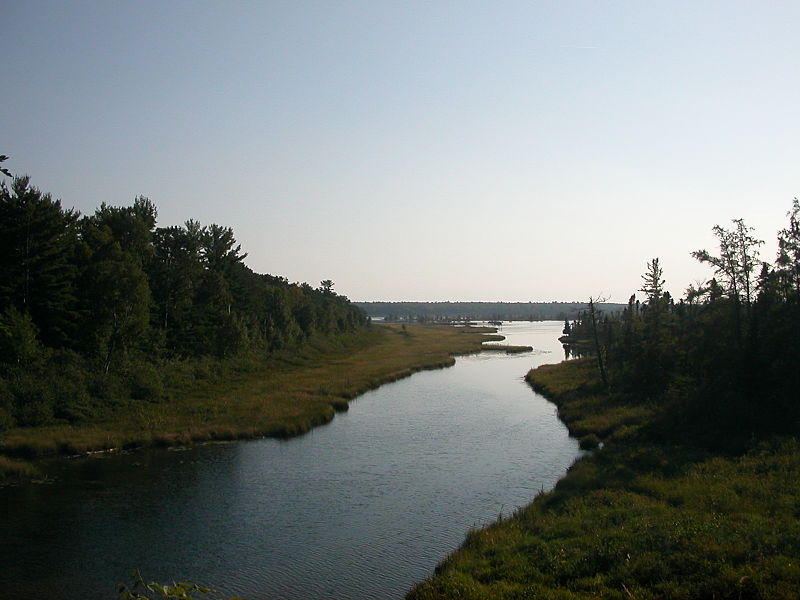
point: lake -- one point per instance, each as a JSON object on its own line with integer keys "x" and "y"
{"x": 361, "y": 508}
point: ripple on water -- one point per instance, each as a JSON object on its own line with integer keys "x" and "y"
{"x": 361, "y": 508}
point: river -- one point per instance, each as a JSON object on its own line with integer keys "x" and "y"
{"x": 361, "y": 508}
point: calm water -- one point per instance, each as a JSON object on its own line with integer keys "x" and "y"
{"x": 361, "y": 508}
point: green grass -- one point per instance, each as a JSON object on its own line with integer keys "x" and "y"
{"x": 638, "y": 518}
{"x": 282, "y": 398}
{"x": 575, "y": 387}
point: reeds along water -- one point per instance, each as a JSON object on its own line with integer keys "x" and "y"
{"x": 279, "y": 398}
{"x": 364, "y": 507}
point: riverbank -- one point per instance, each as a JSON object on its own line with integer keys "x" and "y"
{"x": 508, "y": 349}
{"x": 286, "y": 397}
{"x": 651, "y": 514}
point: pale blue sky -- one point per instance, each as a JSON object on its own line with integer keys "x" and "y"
{"x": 419, "y": 150}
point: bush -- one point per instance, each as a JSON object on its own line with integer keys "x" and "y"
{"x": 72, "y": 401}
{"x": 18, "y": 337}
{"x": 145, "y": 382}
{"x": 33, "y": 400}
{"x": 105, "y": 387}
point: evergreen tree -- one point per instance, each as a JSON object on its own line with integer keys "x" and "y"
{"x": 37, "y": 251}
{"x": 788, "y": 261}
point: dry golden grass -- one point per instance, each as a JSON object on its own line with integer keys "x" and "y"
{"x": 283, "y": 399}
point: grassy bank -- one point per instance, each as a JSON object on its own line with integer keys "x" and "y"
{"x": 508, "y": 349}
{"x": 649, "y": 515}
{"x": 284, "y": 397}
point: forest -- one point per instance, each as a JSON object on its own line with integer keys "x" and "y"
{"x": 106, "y": 308}
{"x": 727, "y": 353}
{"x": 424, "y": 312}
{"x": 689, "y": 410}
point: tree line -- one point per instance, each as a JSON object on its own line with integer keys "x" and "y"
{"x": 477, "y": 311}
{"x": 96, "y": 308}
{"x": 728, "y": 352}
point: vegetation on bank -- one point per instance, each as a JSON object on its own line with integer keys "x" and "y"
{"x": 648, "y": 516}
{"x": 115, "y": 332}
{"x": 425, "y": 312}
{"x": 101, "y": 308}
{"x": 694, "y": 489}
{"x": 104, "y": 316}
{"x": 279, "y": 397}
{"x": 507, "y": 348}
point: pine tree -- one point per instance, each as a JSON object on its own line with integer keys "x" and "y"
{"x": 37, "y": 250}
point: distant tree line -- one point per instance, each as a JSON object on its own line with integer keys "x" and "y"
{"x": 94, "y": 308}
{"x": 478, "y": 311}
{"x": 727, "y": 352}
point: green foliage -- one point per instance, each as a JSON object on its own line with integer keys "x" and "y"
{"x": 239, "y": 397}
{"x": 647, "y": 516}
{"x": 650, "y": 522}
{"x": 695, "y": 490}
{"x": 37, "y": 260}
{"x": 103, "y": 311}
{"x": 34, "y": 399}
{"x": 727, "y": 353}
{"x": 145, "y": 381}
{"x": 116, "y": 298}
{"x": 19, "y": 344}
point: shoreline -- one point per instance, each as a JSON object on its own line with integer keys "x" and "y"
{"x": 277, "y": 401}
{"x": 651, "y": 514}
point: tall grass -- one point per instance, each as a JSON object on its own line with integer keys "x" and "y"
{"x": 283, "y": 397}
{"x": 15, "y": 470}
{"x": 643, "y": 517}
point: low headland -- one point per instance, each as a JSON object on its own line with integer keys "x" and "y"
{"x": 284, "y": 396}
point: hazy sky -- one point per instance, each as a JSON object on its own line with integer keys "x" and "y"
{"x": 419, "y": 150}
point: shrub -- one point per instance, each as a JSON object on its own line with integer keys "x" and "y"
{"x": 72, "y": 401}
{"x": 6, "y": 406}
{"x": 145, "y": 382}
{"x": 33, "y": 400}
{"x": 105, "y": 387}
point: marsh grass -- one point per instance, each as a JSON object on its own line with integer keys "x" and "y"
{"x": 642, "y": 517}
{"x": 576, "y": 389}
{"x": 508, "y": 349}
{"x": 284, "y": 397}
{"x": 15, "y": 470}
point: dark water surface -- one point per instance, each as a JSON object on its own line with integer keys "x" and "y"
{"x": 361, "y": 508}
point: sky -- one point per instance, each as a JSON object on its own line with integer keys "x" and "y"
{"x": 437, "y": 150}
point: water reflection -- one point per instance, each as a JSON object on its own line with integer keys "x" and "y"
{"x": 361, "y": 508}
